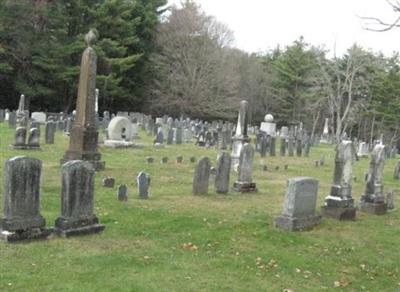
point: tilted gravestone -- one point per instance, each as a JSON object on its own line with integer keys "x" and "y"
{"x": 143, "y": 184}
{"x": 201, "y": 176}
{"x": 244, "y": 183}
{"x": 77, "y": 199}
{"x": 340, "y": 203}
{"x": 299, "y": 206}
{"x": 22, "y": 219}
{"x": 222, "y": 174}
{"x": 373, "y": 200}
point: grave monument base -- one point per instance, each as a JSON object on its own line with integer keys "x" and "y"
{"x": 373, "y": 208}
{"x": 297, "y": 224}
{"x": 339, "y": 213}
{"x": 244, "y": 187}
{"x": 67, "y": 228}
{"x": 29, "y": 234}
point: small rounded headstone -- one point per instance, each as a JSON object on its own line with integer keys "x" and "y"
{"x": 192, "y": 159}
{"x": 179, "y": 159}
{"x": 149, "y": 159}
{"x": 265, "y": 168}
{"x": 286, "y": 167}
{"x": 316, "y": 163}
{"x": 277, "y": 167}
{"x": 164, "y": 160}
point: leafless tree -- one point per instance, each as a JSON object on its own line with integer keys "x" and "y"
{"x": 379, "y": 25}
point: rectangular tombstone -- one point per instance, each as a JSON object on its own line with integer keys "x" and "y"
{"x": 299, "y": 206}
{"x": 77, "y": 217}
{"x": 22, "y": 219}
{"x": 50, "y": 131}
{"x": 201, "y": 176}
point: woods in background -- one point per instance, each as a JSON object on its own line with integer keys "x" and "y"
{"x": 181, "y": 61}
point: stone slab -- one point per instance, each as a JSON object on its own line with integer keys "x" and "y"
{"x": 244, "y": 187}
{"x": 26, "y": 235}
{"x": 91, "y": 229}
{"x": 288, "y": 223}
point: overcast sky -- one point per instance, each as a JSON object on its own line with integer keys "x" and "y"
{"x": 260, "y": 25}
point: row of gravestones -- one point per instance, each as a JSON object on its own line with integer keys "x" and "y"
{"x": 244, "y": 182}
{"x": 267, "y": 144}
{"x": 143, "y": 184}
{"x": 299, "y": 210}
{"x": 22, "y": 219}
{"x": 33, "y": 140}
{"x": 165, "y": 159}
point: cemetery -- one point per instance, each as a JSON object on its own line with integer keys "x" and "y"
{"x": 124, "y": 197}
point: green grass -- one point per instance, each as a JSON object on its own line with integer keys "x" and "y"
{"x": 234, "y": 246}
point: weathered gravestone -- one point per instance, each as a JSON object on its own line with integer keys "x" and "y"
{"x": 222, "y": 174}
{"x": 340, "y": 203}
{"x": 283, "y": 147}
{"x": 272, "y": 146}
{"x": 108, "y": 182}
{"x": 143, "y": 184}
{"x": 34, "y": 139}
{"x": 245, "y": 183}
{"x": 84, "y": 135}
{"x": 363, "y": 150}
{"x": 170, "y": 136}
{"x": 50, "y": 130}
{"x": 122, "y": 193}
{"x": 159, "y": 138}
{"x": 201, "y": 176}
{"x": 77, "y": 199}
{"x": 179, "y": 136}
{"x": 299, "y": 206}
{"x": 22, "y": 219}
{"x": 12, "y": 119}
{"x": 373, "y": 200}
{"x": 20, "y": 138}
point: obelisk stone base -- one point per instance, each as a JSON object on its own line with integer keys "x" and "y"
{"x": 373, "y": 208}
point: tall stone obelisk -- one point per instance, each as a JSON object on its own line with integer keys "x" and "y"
{"x": 241, "y": 136}
{"x": 84, "y": 134}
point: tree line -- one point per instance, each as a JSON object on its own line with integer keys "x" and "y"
{"x": 181, "y": 61}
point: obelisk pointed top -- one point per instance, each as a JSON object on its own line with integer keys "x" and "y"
{"x": 90, "y": 38}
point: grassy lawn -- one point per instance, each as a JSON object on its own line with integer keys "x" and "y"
{"x": 178, "y": 242}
